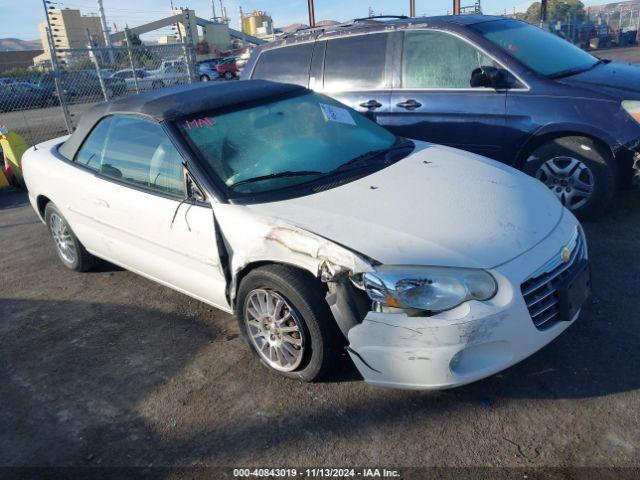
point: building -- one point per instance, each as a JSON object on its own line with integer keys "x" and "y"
{"x": 69, "y": 31}
{"x": 167, "y": 40}
{"x": 217, "y": 35}
{"x": 258, "y": 24}
{"x": 17, "y": 59}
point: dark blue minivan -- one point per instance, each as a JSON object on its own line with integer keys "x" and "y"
{"x": 495, "y": 86}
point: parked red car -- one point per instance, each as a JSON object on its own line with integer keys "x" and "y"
{"x": 228, "y": 69}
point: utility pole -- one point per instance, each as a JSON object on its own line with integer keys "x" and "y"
{"x": 56, "y": 70}
{"x": 312, "y": 15}
{"x": 456, "y": 7}
{"x": 543, "y": 12}
{"x": 244, "y": 36}
{"x": 412, "y": 8}
{"x": 213, "y": 10}
{"x": 105, "y": 31}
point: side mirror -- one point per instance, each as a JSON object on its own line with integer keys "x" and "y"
{"x": 193, "y": 191}
{"x": 489, "y": 77}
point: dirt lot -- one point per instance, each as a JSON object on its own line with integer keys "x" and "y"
{"x": 107, "y": 368}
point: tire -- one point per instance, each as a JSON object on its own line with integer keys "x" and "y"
{"x": 75, "y": 256}
{"x": 309, "y": 318}
{"x": 229, "y": 76}
{"x": 157, "y": 84}
{"x": 204, "y": 78}
{"x": 581, "y": 172}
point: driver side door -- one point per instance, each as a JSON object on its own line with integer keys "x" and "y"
{"x": 136, "y": 202}
{"x": 435, "y": 101}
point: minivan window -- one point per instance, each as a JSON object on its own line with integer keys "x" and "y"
{"x": 541, "y": 51}
{"x": 355, "y": 63}
{"x": 286, "y": 65}
{"x": 432, "y": 59}
{"x": 136, "y": 151}
{"x": 282, "y": 144}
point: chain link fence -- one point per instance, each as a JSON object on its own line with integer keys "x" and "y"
{"x": 44, "y": 104}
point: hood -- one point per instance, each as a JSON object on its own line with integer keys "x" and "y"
{"x": 438, "y": 206}
{"x": 614, "y": 78}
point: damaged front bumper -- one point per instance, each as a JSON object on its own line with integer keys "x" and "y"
{"x": 460, "y": 346}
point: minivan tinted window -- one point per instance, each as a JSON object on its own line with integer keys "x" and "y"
{"x": 355, "y": 63}
{"x": 286, "y": 65}
{"x": 434, "y": 59}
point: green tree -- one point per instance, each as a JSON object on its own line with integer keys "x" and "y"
{"x": 557, "y": 11}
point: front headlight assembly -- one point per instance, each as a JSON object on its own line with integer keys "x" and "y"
{"x": 432, "y": 289}
{"x": 632, "y": 107}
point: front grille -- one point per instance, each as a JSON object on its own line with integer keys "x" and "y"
{"x": 540, "y": 291}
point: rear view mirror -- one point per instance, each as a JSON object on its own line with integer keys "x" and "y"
{"x": 489, "y": 77}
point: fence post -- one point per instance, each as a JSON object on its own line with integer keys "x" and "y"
{"x": 133, "y": 70}
{"x": 56, "y": 80}
{"x": 94, "y": 59}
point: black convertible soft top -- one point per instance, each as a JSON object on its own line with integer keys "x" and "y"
{"x": 178, "y": 101}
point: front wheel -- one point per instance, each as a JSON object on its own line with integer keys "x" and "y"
{"x": 204, "y": 78}
{"x": 287, "y": 323}
{"x": 579, "y": 171}
{"x": 69, "y": 249}
{"x": 157, "y": 84}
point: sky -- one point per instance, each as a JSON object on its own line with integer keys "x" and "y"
{"x": 20, "y": 18}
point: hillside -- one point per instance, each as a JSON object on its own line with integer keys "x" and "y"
{"x": 15, "y": 44}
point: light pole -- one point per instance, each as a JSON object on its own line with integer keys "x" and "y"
{"x": 312, "y": 15}
{"x": 412, "y": 8}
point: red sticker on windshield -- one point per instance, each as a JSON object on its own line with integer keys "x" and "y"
{"x": 200, "y": 123}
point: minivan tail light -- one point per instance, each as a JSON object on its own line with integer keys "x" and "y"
{"x": 632, "y": 107}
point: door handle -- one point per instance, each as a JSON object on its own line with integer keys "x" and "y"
{"x": 409, "y": 104}
{"x": 371, "y": 104}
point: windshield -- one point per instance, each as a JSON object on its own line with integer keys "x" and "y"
{"x": 284, "y": 143}
{"x": 541, "y": 51}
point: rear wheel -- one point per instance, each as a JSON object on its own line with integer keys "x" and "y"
{"x": 229, "y": 76}
{"x": 579, "y": 171}
{"x": 69, "y": 249}
{"x": 157, "y": 84}
{"x": 287, "y": 323}
{"x": 204, "y": 78}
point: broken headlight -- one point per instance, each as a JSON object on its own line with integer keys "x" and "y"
{"x": 433, "y": 289}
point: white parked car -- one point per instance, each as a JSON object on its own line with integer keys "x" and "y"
{"x": 318, "y": 229}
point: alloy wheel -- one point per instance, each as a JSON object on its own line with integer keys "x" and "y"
{"x": 569, "y": 179}
{"x": 274, "y": 329}
{"x": 62, "y": 238}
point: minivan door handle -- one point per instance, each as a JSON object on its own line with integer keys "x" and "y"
{"x": 371, "y": 104}
{"x": 409, "y": 104}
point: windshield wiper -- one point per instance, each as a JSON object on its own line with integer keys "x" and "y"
{"x": 575, "y": 71}
{"x": 287, "y": 173}
{"x": 362, "y": 160}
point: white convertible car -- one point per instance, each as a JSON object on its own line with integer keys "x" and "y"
{"x": 318, "y": 229}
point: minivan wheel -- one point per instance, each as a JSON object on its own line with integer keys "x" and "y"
{"x": 69, "y": 249}
{"x": 287, "y": 323}
{"x": 579, "y": 171}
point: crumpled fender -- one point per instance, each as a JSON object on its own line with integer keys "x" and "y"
{"x": 251, "y": 238}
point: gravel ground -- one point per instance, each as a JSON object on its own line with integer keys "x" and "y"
{"x": 109, "y": 369}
